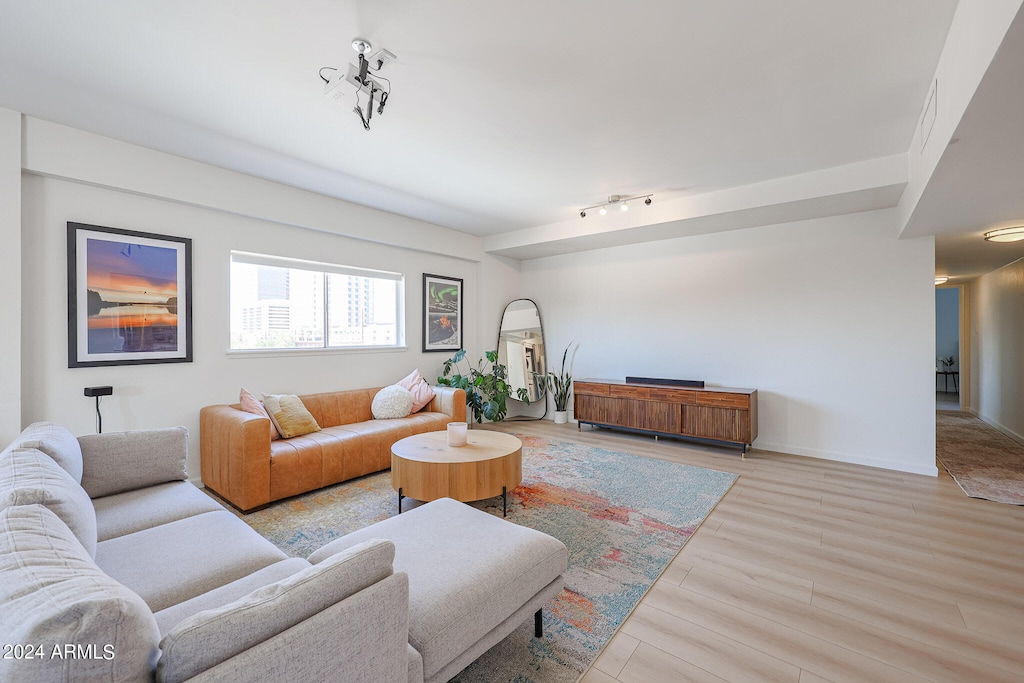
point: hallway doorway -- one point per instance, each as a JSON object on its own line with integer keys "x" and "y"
{"x": 948, "y": 386}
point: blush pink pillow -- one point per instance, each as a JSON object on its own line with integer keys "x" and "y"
{"x": 421, "y": 392}
{"x": 251, "y": 404}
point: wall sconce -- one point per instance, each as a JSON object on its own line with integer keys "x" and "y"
{"x": 98, "y": 392}
{"x": 941, "y": 280}
{"x": 616, "y": 200}
{"x": 1014, "y": 234}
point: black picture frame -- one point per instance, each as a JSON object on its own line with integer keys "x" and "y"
{"x": 129, "y": 297}
{"x": 442, "y": 313}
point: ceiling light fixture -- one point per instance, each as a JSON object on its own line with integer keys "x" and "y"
{"x": 617, "y": 200}
{"x": 1014, "y": 234}
{"x": 365, "y": 78}
{"x": 941, "y": 280}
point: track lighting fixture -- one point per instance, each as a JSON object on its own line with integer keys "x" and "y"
{"x": 365, "y": 78}
{"x": 616, "y": 200}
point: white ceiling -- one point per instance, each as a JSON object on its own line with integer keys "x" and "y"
{"x": 503, "y": 116}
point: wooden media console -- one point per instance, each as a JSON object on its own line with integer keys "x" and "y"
{"x": 716, "y": 415}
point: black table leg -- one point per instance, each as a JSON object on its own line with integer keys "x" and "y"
{"x": 538, "y": 624}
{"x": 504, "y": 501}
{"x": 400, "y": 497}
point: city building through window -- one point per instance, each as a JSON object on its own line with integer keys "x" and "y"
{"x": 282, "y": 303}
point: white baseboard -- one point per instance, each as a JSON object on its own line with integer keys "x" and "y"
{"x": 928, "y": 470}
{"x": 1002, "y": 428}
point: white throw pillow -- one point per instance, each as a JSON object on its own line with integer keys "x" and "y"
{"x": 391, "y": 402}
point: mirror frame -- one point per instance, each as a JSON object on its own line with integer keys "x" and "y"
{"x": 544, "y": 387}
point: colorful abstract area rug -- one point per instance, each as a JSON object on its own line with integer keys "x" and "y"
{"x": 982, "y": 460}
{"x": 622, "y": 517}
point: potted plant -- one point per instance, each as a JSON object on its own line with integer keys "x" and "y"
{"x": 560, "y": 385}
{"x": 948, "y": 363}
{"x": 487, "y": 390}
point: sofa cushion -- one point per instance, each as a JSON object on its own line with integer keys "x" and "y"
{"x": 391, "y": 402}
{"x": 125, "y": 461}
{"x": 289, "y": 415}
{"x": 57, "y": 442}
{"x": 53, "y": 595}
{"x": 213, "y": 636}
{"x": 177, "y": 561}
{"x": 468, "y": 572}
{"x": 251, "y": 404}
{"x": 30, "y": 476}
{"x": 422, "y": 393}
{"x": 166, "y": 619}
{"x": 335, "y": 408}
{"x": 125, "y": 513}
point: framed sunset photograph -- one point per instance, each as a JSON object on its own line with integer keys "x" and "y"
{"x": 129, "y": 297}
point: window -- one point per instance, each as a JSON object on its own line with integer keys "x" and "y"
{"x": 280, "y": 303}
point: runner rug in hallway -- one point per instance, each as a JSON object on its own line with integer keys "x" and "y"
{"x": 982, "y": 460}
{"x": 622, "y": 517}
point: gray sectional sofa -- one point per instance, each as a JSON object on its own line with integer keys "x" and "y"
{"x": 114, "y": 567}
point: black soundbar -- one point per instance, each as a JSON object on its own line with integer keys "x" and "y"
{"x": 698, "y": 383}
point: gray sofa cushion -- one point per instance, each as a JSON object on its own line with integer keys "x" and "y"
{"x": 125, "y": 461}
{"x": 179, "y": 560}
{"x": 343, "y": 649}
{"x": 30, "y": 476}
{"x": 415, "y": 664}
{"x": 208, "y": 638}
{"x": 57, "y": 442}
{"x": 168, "y": 618}
{"x": 125, "y": 513}
{"x": 52, "y": 594}
{"x": 468, "y": 572}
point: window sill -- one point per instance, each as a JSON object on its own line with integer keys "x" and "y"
{"x": 278, "y": 353}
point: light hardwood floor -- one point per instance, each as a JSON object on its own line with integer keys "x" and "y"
{"x": 811, "y": 571}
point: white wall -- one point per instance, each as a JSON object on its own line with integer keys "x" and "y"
{"x": 171, "y": 394}
{"x": 997, "y": 308}
{"x": 831, "y": 320}
{"x": 10, "y": 274}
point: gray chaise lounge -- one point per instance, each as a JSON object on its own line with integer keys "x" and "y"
{"x": 111, "y": 558}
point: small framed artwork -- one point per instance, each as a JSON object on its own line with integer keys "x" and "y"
{"x": 442, "y": 313}
{"x": 129, "y": 297}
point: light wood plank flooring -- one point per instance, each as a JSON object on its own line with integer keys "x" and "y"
{"x": 811, "y": 571}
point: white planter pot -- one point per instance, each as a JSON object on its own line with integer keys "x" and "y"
{"x": 561, "y": 417}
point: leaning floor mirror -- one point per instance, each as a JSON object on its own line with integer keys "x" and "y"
{"x": 521, "y": 351}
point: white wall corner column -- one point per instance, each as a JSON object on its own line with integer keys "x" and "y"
{"x": 10, "y": 274}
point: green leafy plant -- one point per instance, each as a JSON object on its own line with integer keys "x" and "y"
{"x": 560, "y": 384}
{"x": 948, "y": 363}
{"x": 486, "y": 386}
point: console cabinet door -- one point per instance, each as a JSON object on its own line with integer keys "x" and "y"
{"x": 659, "y": 416}
{"x": 724, "y": 424}
{"x": 605, "y": 410}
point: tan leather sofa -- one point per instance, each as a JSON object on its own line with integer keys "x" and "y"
{"x": 243, "y": 466}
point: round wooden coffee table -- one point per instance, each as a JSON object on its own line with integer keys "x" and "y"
{"x": 425, "y": 467}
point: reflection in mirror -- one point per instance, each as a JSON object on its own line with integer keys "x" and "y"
{"x": 521, "y": 348}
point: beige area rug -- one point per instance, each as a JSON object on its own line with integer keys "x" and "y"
{"x": 982, "y": 460}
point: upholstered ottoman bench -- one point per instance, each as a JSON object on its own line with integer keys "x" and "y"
{"x": 473, "y": 578}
